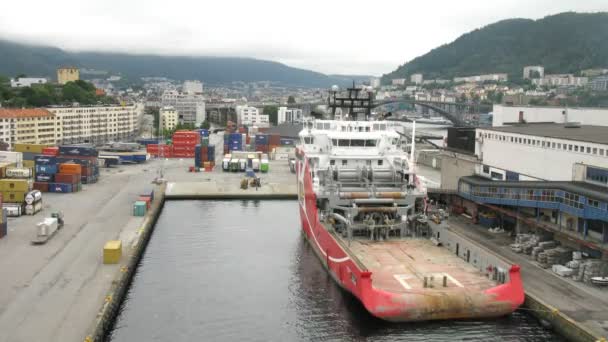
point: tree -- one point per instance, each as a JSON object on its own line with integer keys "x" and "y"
{"x": 272, "y": 112}
{"x": 291, "y": 99}
{"x": 205, "y": 124}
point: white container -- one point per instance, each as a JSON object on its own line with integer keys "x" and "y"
{"x": 33, "y": 196}
{"x": 11, "y": 157}
{"x": 47, "y": 227}
{"x": 18, "y": 172}
{"x": 33, "y": 209}
{"x": 242, "y": 164}
{"x": 226, "y": 164}
{"x": 255, "y": 164}
{"x": 12, "y": 210}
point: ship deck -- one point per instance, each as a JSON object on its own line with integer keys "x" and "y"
{"x": 402, "y": 265}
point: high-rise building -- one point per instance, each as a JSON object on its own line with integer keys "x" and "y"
{"x": 289, "y": 115}
{"x": 67, "y": 74}
{"x": 192, "y": 87}
{"x": 168, "y": 118}
{"x": 190, "y": 107}
{"x": 28, "y": 126}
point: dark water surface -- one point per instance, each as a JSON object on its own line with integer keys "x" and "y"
{"x": 240, "y": 271}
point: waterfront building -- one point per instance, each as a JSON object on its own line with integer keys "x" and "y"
{"x": 416, "y": 78}
{"x": 168, "y": 118}
{"x": 560, "y": 80}
{"x": 96, "y": 124}
{"x": 27, "y": 126}
{"x": 528, "y": 70}
{"x": 398, "y": 81}
{"x": 67, "y": 74}
{"x": 26, "y": 81}
{"x": 289, "y": 115}
{"x": 251, "y": 116}
{"x": 507, "y": 115}
{"x": 599, "y": 83}
{"x": 190, "y": 106}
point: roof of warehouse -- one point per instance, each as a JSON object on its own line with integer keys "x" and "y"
{"x": 581, "y": 188}
{"x": 588, "y": 133}
{"x": 16, "y": 113}
{"x": 286, "y": 130}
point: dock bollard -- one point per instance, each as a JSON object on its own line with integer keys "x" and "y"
{"x": 425, "y": 282}
{"x": 445, "y": 281}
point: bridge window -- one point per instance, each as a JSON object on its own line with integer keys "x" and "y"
{"x": 380, "y": 162}
{"x": 332, "y": 162}
{"x": 601, "y": 151}
{"x": 593, "y": 203}
{"x": 309, "y": 140}
{"x": 326, "y": 125}
{"x": 595, "y": 150}
{"x": 357, "y": 143}
{"x": 334, "y": 142}
{"x": 370, "y": 143}
{"x": 343, "y": 142}
{"x": 344, "y": 162}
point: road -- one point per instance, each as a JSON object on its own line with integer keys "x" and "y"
{"x": 579, "y": 301}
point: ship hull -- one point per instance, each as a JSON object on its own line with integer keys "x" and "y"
{"x": 350, "y": 274}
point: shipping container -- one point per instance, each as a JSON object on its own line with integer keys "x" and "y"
{"x": 33, "y": 197}
{"x": 13, "y": 196}
{"x": 287, "y": 142}
{"x": 261, "y": 139}
{"x": 255, "y": 164}
{"x": 112, "y": 252}
{"x": 12, "y": 209}
{"x": 264, "y": 167}
{"x": 226, "y": 164}
{"x": 86, "y": 151}
{"x": 45, "y": 160}
{"x": 42, "y": 186}
{"x": 60, "y": 187}
{"x": 50, "y": 151}
{"x": 31, "y": 148}
{"x": 22, "y": 185}
{"x": 18, "y": 172}
{"x": 3, "y": 229}
{"x": 67, "y": 178}
{"x": 49, "y": 169}
{"x": 139, "y": 208}
{"x": 145, "y": 199}
{"x": 33, "y": 209}
{"x": 11, "y": 157}
{"x": 70, "y": 168}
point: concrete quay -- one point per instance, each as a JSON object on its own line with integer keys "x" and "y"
{"x": 575, "y": 310}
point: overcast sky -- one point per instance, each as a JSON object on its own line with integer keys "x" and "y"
{"x": 330, "y": 36}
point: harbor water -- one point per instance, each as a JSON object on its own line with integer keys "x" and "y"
{"x": 241, "y": 271}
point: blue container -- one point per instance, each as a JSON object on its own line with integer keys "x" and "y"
{"x": 60, "y": 187}
{"x": 261, "y": 139}
{"x": 48, "y": 169}
{"x": 204, "y": 132}
{"x": 127, "y": 158}
{"x": 74, "y": 160}
{"x": 86, "y": 151}
{"x": 44, "y": 177}
{"x": 287, "y": 142}
{"x": 235, "y": 148}
{"x": 139, "y": 158}
{"x": 211, "y": 152}
{"x": 235, "y": 136}
{"x": 147, "y": 142}
{"x": 45, "y": 160}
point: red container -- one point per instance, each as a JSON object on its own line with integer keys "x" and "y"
{"x": 41, "y": 186}
{"x": 67, "y": 178}
{"x": 261, "y": 148}
{"x": 274, "y": 139}
{"x": 242, "y": 130}
{"x": 50, "y": 151}
{"x": 145, "y": 199}
{"x": 86, "y": 171}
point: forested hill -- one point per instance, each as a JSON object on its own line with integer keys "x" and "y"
{"x": 34, "y": 61}
{"x": 562, "y": 43}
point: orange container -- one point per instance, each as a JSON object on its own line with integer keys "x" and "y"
{"x": 70, "y": 168}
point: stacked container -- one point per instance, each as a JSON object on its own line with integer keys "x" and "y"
{"x": 14, "y": 190}
{"x": 33, "y": 202}
{"x": 261, "y": 143}
{"x": 156, "y": 150}
{"x": 184, "y": 143}
{"x": 86, "y": 157}
{"x": 274, "y": 141}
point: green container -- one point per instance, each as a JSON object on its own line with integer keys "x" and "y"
{"x": 264, "y": 166}
{"x": 139, "y": 208}
{"x": 205, "y": 141}
{"x": 169, "y": 142}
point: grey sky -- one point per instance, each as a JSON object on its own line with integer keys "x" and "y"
{"x": 301, "y": 34}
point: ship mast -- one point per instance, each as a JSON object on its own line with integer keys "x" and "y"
{"x": 355, "y": 101}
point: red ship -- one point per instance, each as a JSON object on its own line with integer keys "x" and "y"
{"x": 362, "y": 211}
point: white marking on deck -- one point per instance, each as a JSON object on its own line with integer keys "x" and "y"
{"x": 401, "y": 279}
{"x": 450, "y": 278}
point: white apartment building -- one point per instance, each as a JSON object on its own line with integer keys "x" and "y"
{"x": 26, "y": 81}
{"x": 533, "y": 68}
{"x": 250, "y": 116}
{"x": 561, "y": 80}
{"x": 416, "y": 78}
{"x": 190, "y": 107}
{"x": 168, "y": 118}
{"x": 192, "y": 87}
{"x": 599, "y": 83}
{"x": 398, "y": 81}
{"x": 290, "y": 115}
{"x": 483, "y": 78}
{"x": 505, "y": 115}
{"x": 545, "y": 151}
{"x": 96, "y": 124}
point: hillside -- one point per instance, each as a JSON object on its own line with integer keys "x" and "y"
{"x": 42, "y": 61}
{"x": 563, "y": 43}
